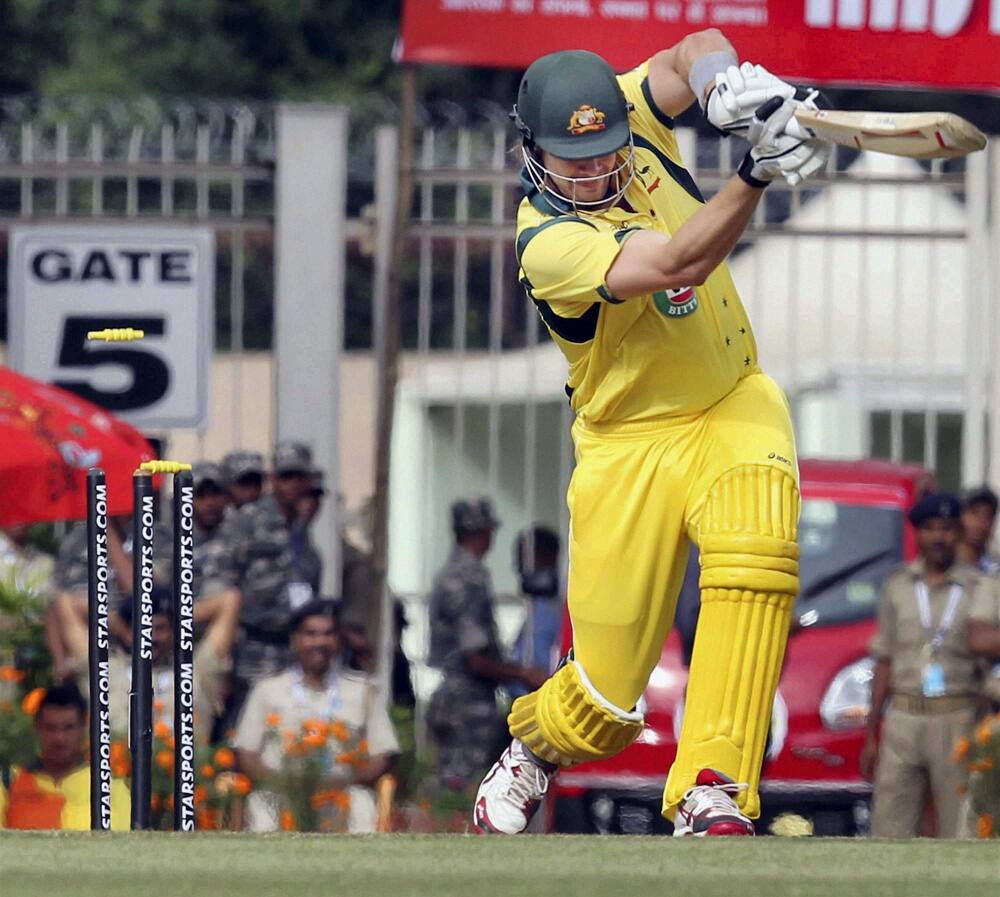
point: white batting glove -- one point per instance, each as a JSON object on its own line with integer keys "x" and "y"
{"x": 738, "y": 92}
{"x": 774, "y": 152}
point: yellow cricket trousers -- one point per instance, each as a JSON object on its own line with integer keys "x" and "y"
{"x": 637, "y": 494}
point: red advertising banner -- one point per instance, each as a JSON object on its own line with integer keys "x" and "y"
{"x": 953, "y": 44}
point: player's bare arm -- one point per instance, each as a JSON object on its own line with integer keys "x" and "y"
{"x": 651, "y": 260}
{"x": 670, "y": 69}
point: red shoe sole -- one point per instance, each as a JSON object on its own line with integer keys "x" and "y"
{"x": 729, "y": 828}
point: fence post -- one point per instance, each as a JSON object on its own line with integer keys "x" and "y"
{"x": 310, "y": 253}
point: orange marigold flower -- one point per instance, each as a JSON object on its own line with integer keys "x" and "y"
{"x": 118, "y": 753}
{"x": 986, "y": 764}
{"x": 313, "y": 740}
{"x": 170, "y": 801}
{"x": 171, "y": 743}
{"x": 200, "y": 794}
{"x": 242, "y": 784}
{"x": 120, "y": 770}
{"x": 154, "y": 802}
{"x": 158, "y": 706}
{"x": 164, "y": 759}
{"x": 983, "y": 734}
{"x": 363, "y": 746}
{"x": 339, "y": 731}
{"x": 207, "y": 770}
{"x": 206, "y": 819}
{"x": 961, "y": 749}
{"x": 162, "y": 729}
{"x": 342, "y": 799}
{"x": 345, "y": 758}
{"x": 272, "y": 720}
{"x": 287, "y": 821}
{"x": 315, "y": 725}
{"x": 984, "y": 825}
{"x": 225, "y": 758}
{"x": 11, "y": 674}
{"x": 32, "y": 701}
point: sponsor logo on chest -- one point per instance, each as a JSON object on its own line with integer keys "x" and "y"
{"x": 677, "y": 303}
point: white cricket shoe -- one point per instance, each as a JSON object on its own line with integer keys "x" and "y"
{"x": 511, "y": 792}
{"x": 709, "y": 809}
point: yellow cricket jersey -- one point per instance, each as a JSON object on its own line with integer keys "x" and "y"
{"x": 663, "y": 354}
{"x": 31, "y": 799}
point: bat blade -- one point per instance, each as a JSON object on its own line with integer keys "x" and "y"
{"x": 918, "y": 135}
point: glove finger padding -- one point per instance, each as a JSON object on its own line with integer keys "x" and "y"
{"x": 775, "y": 153}
{"x": 769, "y": 122}
{"x": 813, "y": 155}
{"x": 738, "y": 92}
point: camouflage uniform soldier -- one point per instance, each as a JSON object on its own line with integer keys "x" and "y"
{"x": 210, "y": 504}
{"x": 263, "y": 551}
{"x": 70, "y": 581}
{"x": 244, "y": 476}
{"x": 463, "y": 715}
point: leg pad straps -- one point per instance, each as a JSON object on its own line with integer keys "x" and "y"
{"x": 567, "y": 720}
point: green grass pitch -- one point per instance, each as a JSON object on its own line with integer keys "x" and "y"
{"x": 209, "y": 865}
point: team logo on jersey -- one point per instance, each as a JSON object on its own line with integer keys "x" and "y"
{"x": 585, "y": 119}
{"x": 676, "y": 303}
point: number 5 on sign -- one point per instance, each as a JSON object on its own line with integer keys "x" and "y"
{"x": 68, "y": 281}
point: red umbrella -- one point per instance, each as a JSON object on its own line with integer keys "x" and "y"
{"x": 48, "y": 439}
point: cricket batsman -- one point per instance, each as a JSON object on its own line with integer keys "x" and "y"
{"x": 678, "y": 434}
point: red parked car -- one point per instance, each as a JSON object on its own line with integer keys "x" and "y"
{"x": 853, "y": 532}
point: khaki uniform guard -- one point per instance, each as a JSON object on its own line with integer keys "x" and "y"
{"x": 932, "y": 684}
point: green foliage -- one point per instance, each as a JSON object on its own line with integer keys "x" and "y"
{"x": 264, "y": 49}
{"x": 22, "y": 630}
{"x": 980, "y": 754}
{"x": 18, "y": 743}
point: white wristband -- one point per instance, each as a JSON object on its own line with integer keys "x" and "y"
{"x": 705, "y": 69}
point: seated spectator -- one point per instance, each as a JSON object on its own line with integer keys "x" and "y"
{"x": 70, "y": 581}
{"x": 54, "y": 791}
{"x": 244, "y": 477}
{"x": 212, "y": 657}
{"x": 315, "y": 687}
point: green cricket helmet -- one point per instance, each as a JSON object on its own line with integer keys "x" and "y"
{"x": 570, "y": 105}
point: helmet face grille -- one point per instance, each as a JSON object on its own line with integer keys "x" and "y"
{"x": 559, "y": 191}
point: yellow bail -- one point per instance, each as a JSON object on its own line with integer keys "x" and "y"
{"x": 116, "y": 334}
{"x": 164, "y": 466}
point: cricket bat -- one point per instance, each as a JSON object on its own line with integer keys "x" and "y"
{"x": 919, "y": 135}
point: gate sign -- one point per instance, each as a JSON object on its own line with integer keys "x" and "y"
{"x": 951, "y": 44}
{"x": 64, "y": 280}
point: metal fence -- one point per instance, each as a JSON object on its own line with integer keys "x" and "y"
{"x": 145, "y": 164}
{"x": 873, "y": 291}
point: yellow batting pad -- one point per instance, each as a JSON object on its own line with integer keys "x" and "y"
{"x": 749, "y": 580}
{"x": 163, "y": 466}
{"x": 566, "y": 721}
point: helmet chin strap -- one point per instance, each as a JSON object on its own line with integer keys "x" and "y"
{"x": 544, "y": 180}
